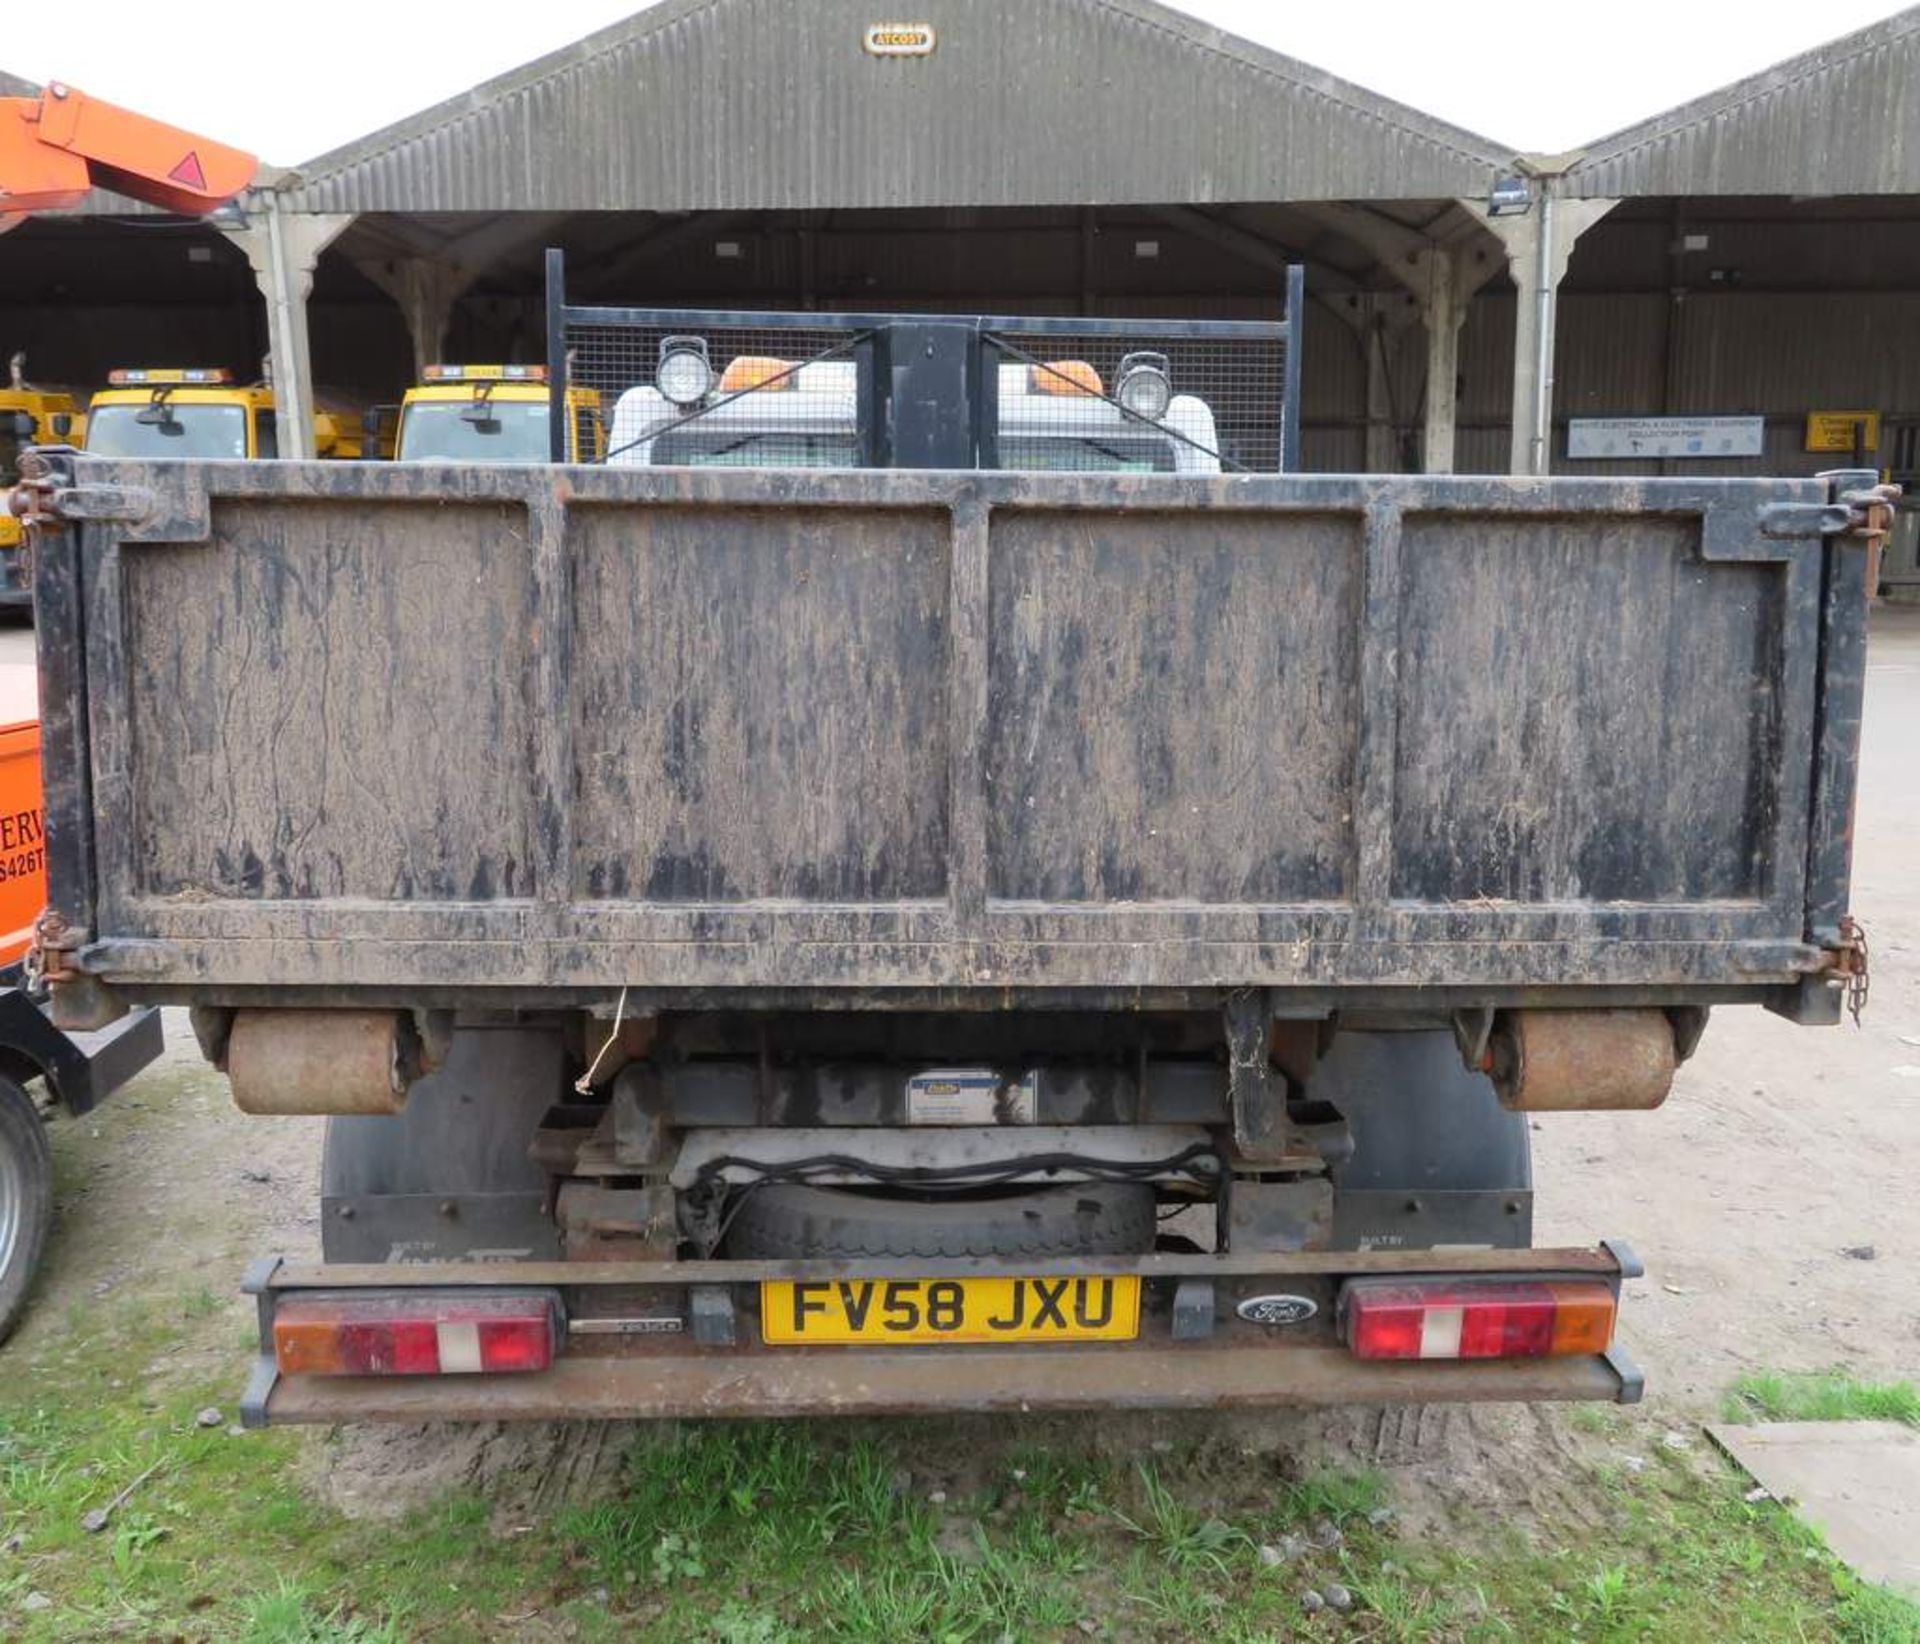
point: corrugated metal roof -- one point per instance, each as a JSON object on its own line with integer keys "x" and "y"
{"x": 1841, "y": 119}
{"x": 765, "y": 104}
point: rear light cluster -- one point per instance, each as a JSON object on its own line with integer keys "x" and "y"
{"x": 362, "y": 1333}
{"x": 1465, "y": 1319}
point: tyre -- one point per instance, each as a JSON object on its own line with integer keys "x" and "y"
{"x": 1086, "y": 1219}
{"x": 26, "y": 1200}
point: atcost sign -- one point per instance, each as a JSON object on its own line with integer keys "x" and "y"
{"x": 898, "y": 40}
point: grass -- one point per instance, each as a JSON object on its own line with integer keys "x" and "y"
{"x": 778, "y": 1534}
{"x": 1821, "y": 1395}
{"x": 292, "y": 1615}
{"x": 1183, "y": 1536}
{"x": 1684, "y": 1556}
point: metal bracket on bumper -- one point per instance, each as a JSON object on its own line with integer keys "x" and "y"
{"x": 266, "y": 1370}
{"x": 1633, "y": 1380}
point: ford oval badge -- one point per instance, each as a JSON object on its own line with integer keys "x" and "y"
{"x": 1277, "y": 1309}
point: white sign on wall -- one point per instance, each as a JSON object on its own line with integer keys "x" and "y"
{"x": 899, "y": 40}
{"x": 1601, "y": 437}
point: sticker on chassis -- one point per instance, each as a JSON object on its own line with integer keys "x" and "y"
{"x": 829, "y": 1312}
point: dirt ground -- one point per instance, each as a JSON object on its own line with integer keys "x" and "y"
{"x": 1771, "y": 1199}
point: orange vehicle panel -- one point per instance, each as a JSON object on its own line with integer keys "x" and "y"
{"x": 23, "y": 841}
{"x": 147, "y": 159}
{"x": 55, "y": 147}
{"x": 33, "y": 176}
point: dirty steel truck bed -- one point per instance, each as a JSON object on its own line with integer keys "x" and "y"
{"x": 332, "y": 733}
{"x": 649, "y": 749}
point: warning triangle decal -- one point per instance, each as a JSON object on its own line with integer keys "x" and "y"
{"x": 188, "y": 172}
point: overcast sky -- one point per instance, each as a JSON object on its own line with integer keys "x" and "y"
{"x": 290, "y": 81}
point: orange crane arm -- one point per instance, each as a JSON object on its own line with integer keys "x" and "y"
{"x": 58, "y": 146}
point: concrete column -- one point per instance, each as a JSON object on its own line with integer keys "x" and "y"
{"x": 427, "y": 285}
{"x": 283, "y": 248}
{"x": 1381, "y": 456}
{"x": 1443, "y": 282}
{"x": 426, "y": 290}
{"x": 1441, "y": 275}
{"x": 1376, "y": 319}
{"x": 1388, "y": 314}
{"x": 1538, "y": 244}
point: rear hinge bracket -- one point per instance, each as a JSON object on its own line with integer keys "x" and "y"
{"x": 51, "y": 958}
{"x": 1787, "y": 520}
{"x": 46, "y": 497}
{"x": 57, "y": 969}
{"x": 126, "y": 504}
{"x": 1864, "y": 513}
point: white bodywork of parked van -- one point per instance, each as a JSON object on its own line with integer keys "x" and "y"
{"x": 815, "y": 424}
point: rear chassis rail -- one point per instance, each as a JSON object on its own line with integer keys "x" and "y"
{"x": 1194, "y": 1351}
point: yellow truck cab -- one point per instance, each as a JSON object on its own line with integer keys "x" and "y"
{"x": 200, "y": 411}
{"x": 28, "y": 416}
{"x": 493, "y": 413}
{"x": 193, "y": 411}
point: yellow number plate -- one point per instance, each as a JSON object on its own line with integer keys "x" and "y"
{"x": 824, "y": 1312}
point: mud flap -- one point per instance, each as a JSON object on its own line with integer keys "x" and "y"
{"x": 449, "y": 1178}
{"x": 1436, "y": 1160}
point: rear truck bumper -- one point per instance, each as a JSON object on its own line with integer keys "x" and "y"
{"x": 682, "y": 1339}
{"x": 81, "y": 1069}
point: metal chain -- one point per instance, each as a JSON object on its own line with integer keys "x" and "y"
{"x": 1858, "y": 982}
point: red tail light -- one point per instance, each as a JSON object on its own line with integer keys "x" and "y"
{"x": 1470, "y": 1319}
{"x": 392, "y": 1333}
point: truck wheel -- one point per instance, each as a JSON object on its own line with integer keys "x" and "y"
{"x": 26, "y": 1200}
{"x": 1422, "y": 1124}
{"x": 1087, "y": 1219}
